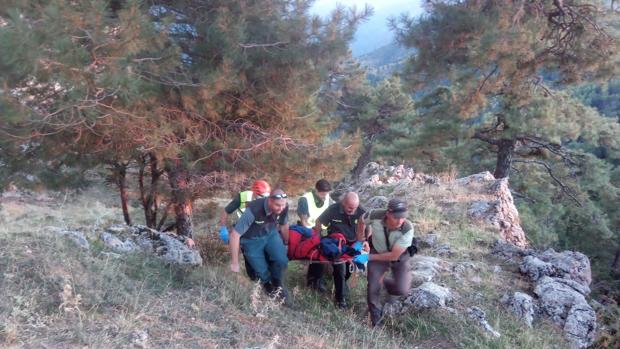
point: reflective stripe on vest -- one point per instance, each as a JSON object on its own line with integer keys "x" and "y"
{"x": 314, "y": 211}
{"x": 245, "y": 196}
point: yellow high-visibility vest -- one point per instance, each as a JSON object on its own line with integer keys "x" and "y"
{"x": 313, "y": 210}
{"x": 245, "y": 196}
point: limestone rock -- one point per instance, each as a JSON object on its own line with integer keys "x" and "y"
{"x": 485, "y": 176}
{"x": 580, "y": 326}
{"x": 479, "y": 316}
{"x": 424, "y": 268}
{"x": 523, "y": 306}
{"x": 170, "y": 249}
{"x": 429, "y": 295}
{"x": 570, "y": 265}
{"x": 427, "y": 240}
{"x": 443, "y": 250}
{"x": 139, "y": 339}
{"x": 556, "y": 299}
{"x": 500, "y": 212}
{"x": 116, "y": 244}
{"x": 376, "y": 202}
{"x": 569, "y": 309}
{"x": 536, "y": 268}
{"x": 78, "y": 237}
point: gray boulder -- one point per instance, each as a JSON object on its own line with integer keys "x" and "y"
{"x": 427, "y": 240}
{"x": 78, "y": 237}
{"x": 116, "y": 244}
{"x": 479, "y": 316}
{"x": 536, "y": 268}
{"x": 428, "y": 296}
{"x": 522, "y": 305}
{"x": 169, "y": 247}
{"x": 376, "y": 202}
{"x": 171, "y": 250}
{"x": 556, "y": 299}
{"x": 443, "y": 250}
{"x": 580, "y": 326}
{"x": 569, "y": 309}
{"x": 509, "y": 251}
{"x": 570, "y": 265}
{"x": 424, "y": 268}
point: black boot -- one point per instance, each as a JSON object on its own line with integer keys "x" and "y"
{"x": 341, "y": 276}
{"x": 317, "y": 285}
{"x": 376, "y": 318}
{"x": 279, "y": 291}
{"x": 342, "y": 304}
{"x": 314, "y": 277}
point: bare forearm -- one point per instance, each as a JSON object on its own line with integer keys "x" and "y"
{"x": 223, "y": 217}
{"x": 391, "y": 256}
{"x": 234, "y": 247}
{"x": 304, "y": 220}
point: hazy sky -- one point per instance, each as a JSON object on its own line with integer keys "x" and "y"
{"x": 374, "y": 33}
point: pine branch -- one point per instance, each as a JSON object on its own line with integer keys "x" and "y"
{"x": 565, "y": 189}
{"x": 253, "y": 45}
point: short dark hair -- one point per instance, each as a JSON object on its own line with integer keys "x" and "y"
{"x": 323, "y": 185}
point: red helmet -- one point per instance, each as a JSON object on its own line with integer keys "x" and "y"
{"x": 261, "y": 188}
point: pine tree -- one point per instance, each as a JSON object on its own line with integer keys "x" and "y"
{"x": 197, "y": 90}
{"x": 494, "y": 58}
{"x": 381, "y": 114}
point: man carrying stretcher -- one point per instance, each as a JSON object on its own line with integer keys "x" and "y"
{"x": 341, "y": 220}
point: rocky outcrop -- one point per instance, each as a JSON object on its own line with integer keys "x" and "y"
{"x": 76, "y": 236}
{"x": 492, "y": 203}
{"x": 499, "y": 212}
{"x": 120, "y": 239}
{"x": 169, "y": 247}
{"x": 572, "y": 267}
{"x": 561, "y": 285}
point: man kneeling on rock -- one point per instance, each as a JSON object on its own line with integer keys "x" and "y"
{"x": 257, "y": 232}
{"x": 391, "y": 246}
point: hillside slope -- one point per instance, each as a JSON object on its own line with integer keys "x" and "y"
{"x": 60, "y": 295}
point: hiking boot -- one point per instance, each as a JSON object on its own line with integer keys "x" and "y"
{"x": 317, "y": 285}
{"x": 376, "y": 318}
{"x": 268, "y": 288}
{"x": 342, "y": 304}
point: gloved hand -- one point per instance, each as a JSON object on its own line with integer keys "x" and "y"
{"x": 361, "y": 258}
{"x": 358, "y": 246}
{"x": 224, "y": 234}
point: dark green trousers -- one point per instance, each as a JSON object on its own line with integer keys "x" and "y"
{"x": 267, "y": 256}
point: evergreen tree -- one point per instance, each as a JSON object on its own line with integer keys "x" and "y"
{"x": 382, "y": 114}
{"x": 195, "y": 85}
{"x": 496, "y": 57}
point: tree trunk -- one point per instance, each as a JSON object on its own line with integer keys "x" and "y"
{"x": 178, "y": 176}
{"x": 120, "y": 174}
{"x": 150, "y": 200}
{"x": 615, "y": 266}
{"x": 363, "y": 160}
{"x": 505, "y": 151}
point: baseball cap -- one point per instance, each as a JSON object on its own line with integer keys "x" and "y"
{"x": 398, "y": 208}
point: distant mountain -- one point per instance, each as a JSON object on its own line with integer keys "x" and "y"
{"x": 384, "y": 61}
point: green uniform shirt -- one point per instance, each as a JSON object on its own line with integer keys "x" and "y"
{"x": 402, "y": 237}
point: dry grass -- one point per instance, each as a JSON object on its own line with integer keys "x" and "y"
{"x": 56, "y": 295}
